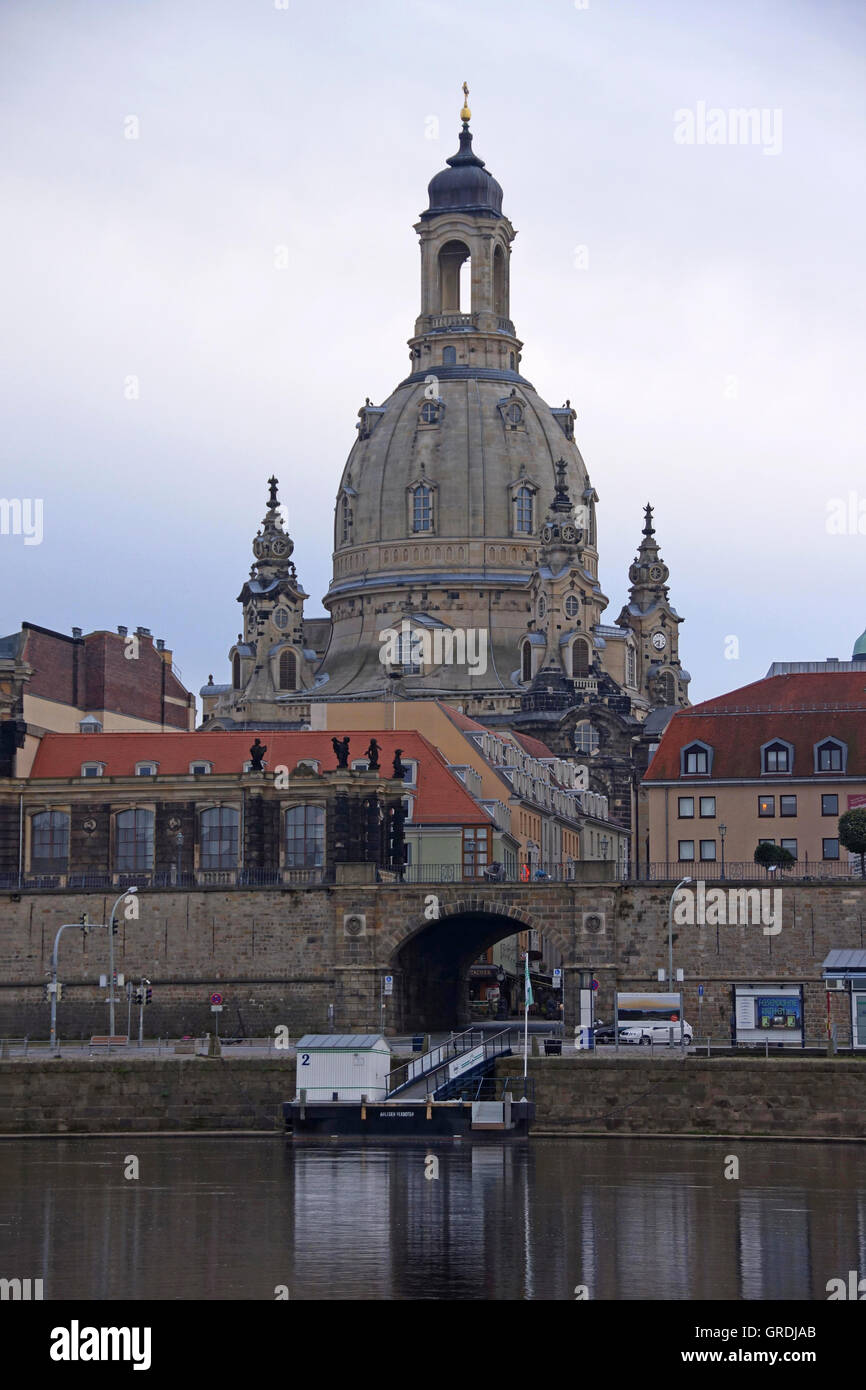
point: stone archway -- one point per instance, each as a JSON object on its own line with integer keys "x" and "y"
{"x": 431, "y": 962}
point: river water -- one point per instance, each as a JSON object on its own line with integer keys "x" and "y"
{"x": 222, "y": 1218}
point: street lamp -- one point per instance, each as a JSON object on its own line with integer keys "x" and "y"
{"x": 125, "y": 894}
{"x": 681, "y": 884}
{"x": 723, "y": 830}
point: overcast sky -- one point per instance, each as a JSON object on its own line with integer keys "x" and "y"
{"x": 701, "y": 304}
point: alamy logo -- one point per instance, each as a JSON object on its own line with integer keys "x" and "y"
{"x": 76, "y": 1343}
{"x": 856, "y": 1288}
{"x": 729, "y": 907}
{"x": 22, "y": 516}
{"x": 20, "y": 1290}
{"x": 443, "y": 646}
{"x": 741, "y": 125}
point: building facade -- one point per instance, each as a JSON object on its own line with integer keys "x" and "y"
{"x": 779, "y": 760}
{"x": 466, "y": 546}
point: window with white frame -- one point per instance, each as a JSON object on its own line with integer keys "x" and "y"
{"x": 422, "y": 508}
{"x": 830, "y": 756}
{"x": 49, "y": 841}
{"x": 92, "y": 769}
{"x": 145, "y": 769}
{"x": 200, "y": 769}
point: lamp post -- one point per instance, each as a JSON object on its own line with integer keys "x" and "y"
{"x": 125, "y": 894}
{"x": 179, "y": 843}
{"x": 681, "y": 884}
{"x": 723, "y": 830}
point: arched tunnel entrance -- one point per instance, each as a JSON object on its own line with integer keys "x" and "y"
{"x": 431, "y": 968}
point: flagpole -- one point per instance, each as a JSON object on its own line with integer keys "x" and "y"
{"x": 527, "y": 995}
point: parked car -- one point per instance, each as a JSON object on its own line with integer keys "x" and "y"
{"x": 604, "y": 1033}
{"x": 655, "y": 1034}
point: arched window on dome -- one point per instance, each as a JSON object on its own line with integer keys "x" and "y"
{"x": 449, "y": 357}
{"x": 526, "y": 662}
{"x": 236, "y": 672}
{"x": 523, "y": 510}
{"x": 422, "y": 508}
{"x": 580, "y": 657}
{"x": 454, "y": 276}
{"x": 668, "y": 688}
{"x": 288, "y": 677}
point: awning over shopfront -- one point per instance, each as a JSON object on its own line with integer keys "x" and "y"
{"x": 845, "y": 965}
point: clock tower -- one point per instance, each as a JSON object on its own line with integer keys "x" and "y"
{"x": 272, "y": 670}
{"x": 654, "y": 622}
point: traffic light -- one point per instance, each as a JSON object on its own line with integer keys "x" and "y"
{"x": 114, "y": 927}
{"x": 148, "y": 995}
{"x": 84, "y": 919}
{"x": 137, "y": 997}
{"x": 59, "y": 991}
{"x": 47, "y": 991}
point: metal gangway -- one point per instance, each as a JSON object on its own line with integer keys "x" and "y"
{"x": 467, "y": 1054}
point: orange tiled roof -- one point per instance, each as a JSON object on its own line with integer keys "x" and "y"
{"x": 440, "y": 797}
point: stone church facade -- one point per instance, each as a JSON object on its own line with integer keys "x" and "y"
{"x": 466, "y": 560}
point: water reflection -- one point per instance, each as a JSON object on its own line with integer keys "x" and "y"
{"x": 235, "y": 1218}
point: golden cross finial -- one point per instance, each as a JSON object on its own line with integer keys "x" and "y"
{"x": 465, "y": 114}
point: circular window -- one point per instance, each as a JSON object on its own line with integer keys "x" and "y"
{"x": 514, "y": 414}
{"x": 281, "y": 618}
{"x": 572, "y": 606}
{"x": 429, "y": 412}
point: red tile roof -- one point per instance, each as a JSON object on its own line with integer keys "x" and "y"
{"x": 802, "y": 708}
{"x": 533, "y": 746}
{"x": 440, "y": 797}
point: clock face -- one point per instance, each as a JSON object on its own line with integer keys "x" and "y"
{"x": 659, "y": 641}
{"x": 281, "y": 618}
{"x": 279, "y": 547}
{"x": 656, "y": 572}
{"x": 569, "y": 534}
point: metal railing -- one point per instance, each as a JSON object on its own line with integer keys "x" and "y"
{"x": 698, "y": 870}
{"x": 425, "y": 1065}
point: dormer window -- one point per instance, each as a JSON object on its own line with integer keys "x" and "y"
{"x": 777, "y": 756}
{"x": 200, "y": 769}
{"x": 288, "y": 670}
{"x": 523, "y": 510}
{"x": 145, "y": 769}
{"x": 422, "y": 508}
{"x": 430, "y": 414}
{"x": 92, "y": 769}
{"x": 410, "y": 774}
{"x": 345, "y": 521}
{"x": 696, "y": 760}
{"x": 831, "y": 756}
{"x": 89, "y": 725}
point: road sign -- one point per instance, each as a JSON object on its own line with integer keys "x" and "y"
{"x": 595, "y": 984}
{"x": 216, "y": 1008}
{"x": 389, "y": 984}
{"x": 216, "y": 999}
{"x": 557, "y": 979}
{"x": 700, "y": 991}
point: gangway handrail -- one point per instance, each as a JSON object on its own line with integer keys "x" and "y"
{"x": 442, "y": 1053}
{"x": 492, "y": 1047}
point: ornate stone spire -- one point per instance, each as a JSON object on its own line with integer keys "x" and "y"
{"x": 648, "y": 574}
{"x": 273, "y": 545}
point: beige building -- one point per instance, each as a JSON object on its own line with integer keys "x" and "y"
{"x": 779, "y": 760}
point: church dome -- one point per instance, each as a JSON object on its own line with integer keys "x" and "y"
{"x": 859, "y": 652}
{"x": 465, "y": 186}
